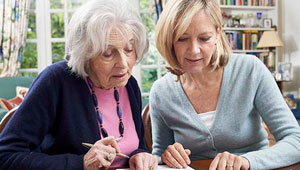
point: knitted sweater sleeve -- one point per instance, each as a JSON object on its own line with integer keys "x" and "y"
{"x": 20, "y": 140}
{"x": 162, "y": 135}
{"x": 280, "y": 121}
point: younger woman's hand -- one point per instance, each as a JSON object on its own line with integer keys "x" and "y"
{"x": 175, "y": 156}
{"x": 101, "y": 154}
{"x": 228, "y": 161}
{"x": 143, "y": 161}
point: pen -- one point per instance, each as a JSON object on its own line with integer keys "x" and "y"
{"x": 88, "y": 145}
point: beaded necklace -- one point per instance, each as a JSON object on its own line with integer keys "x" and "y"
{"x": 99, "y": 115}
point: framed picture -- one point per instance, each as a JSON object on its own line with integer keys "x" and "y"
{"x": 285, "y": 69}
{"x": 267, "y": 23}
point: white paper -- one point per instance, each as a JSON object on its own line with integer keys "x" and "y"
{"x": 164, "y": 167}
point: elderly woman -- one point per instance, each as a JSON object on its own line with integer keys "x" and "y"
{"x": 218, "y": 100}
{"x": 90, "y": 98}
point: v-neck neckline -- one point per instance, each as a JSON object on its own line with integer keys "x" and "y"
{"x": 191, "y": 110}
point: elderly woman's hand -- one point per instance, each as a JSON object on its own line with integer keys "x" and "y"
{"x": 175, "y": 156}
{"x": 143, "y": 161}
{"x": 228, "y": 161}
{"x": 101, "y": 154}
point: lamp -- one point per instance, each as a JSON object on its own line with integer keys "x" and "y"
{"x": 270, "y": 39}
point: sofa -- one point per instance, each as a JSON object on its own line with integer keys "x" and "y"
{"x": 8, "y": 88}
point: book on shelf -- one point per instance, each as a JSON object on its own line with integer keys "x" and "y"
{"x": 248, "y": 2}
{"x": 269, "y": 62}
{"x": 243, "y": 40}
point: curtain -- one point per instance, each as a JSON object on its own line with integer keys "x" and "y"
{"x": 13, "y": 29}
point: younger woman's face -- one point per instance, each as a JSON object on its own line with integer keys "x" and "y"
{"x": 194, "y": 49}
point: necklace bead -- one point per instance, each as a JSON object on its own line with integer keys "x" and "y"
{"x": 99, "y": 115}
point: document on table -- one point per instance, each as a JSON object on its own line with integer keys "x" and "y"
{"x": 164, "y": 167}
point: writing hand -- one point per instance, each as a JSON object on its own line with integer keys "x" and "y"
{"x": 175, "y": 156}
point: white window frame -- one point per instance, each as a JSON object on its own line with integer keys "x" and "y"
{"x": 43, "y": 29}
{"x": 43, "y": 32}
{"x": 43, "y": 35}
{"x": 44, "y": 41}
{"x": 159, "y": 65}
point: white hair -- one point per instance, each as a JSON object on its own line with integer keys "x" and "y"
{"x": 90, "y": 26}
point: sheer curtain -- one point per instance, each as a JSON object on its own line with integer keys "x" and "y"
{"x": 13, "y": 28}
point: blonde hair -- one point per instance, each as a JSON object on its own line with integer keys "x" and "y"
{"x": 89, "y": 29}
{"x": 174, "y": 21}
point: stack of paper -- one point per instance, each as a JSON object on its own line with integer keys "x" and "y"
{"x": 164, "y": 167}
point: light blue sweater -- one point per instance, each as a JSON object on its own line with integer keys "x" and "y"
{"x": 248, "y": 96}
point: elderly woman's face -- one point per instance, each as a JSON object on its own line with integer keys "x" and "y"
{"x": 113, "y": 67}
{"x": 195, "y": 47}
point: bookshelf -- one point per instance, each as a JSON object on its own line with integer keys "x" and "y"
{"x": 244, "y": 23}
{"x": 250, "y": 51}
{"x": 246, "y": 29}
{"x": 247, "y": 7}
{"x": 261, "y": 3}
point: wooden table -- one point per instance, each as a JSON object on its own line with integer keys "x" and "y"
{"x": 204, "y": 165}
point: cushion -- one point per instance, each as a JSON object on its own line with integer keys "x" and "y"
{"x": 10, "y": 84}
{"x": 21, "y": 91}
{"x": 11, "y": 103}
{"x": 5, "y": 104}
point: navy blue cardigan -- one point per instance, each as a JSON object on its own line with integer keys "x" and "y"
{"x": 56, "y": 116}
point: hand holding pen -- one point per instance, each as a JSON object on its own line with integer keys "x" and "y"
{"x": 101, "y": 154}
{"x": 88, "y": 145}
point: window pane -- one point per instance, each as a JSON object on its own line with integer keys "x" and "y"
{"x": 73, "y": 4}
{"x": 56, "y": 4}
{"x": 29, "y": 74}
{"x": 148, "y": 21}
{"x": 70, "y": 16}
{"x": 151, "y": 56}
{"x": 163, "y": 61}
{"x": 144, "y": 4}
{"x": 148, "y": 78}
{"x": 145, "y": 100}
{"x": 58, "y": 51}
{"x": 57, "y": 25}
{"x": 32, "y": 4}
{"x": 29, "y": 59}
{"x": 163, "y": 71}
{"x": 31, "y": 30}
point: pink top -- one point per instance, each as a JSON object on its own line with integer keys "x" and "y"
{"x": 108, "y": 107}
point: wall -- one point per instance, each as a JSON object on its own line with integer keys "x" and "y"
{"x": 290, "y": 31}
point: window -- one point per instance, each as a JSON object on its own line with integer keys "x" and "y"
{"x": 29, "y": 59}
{"x": 153, "y": 65}
{"x": 47, "y": 30}
{"x": 60, "y": 13}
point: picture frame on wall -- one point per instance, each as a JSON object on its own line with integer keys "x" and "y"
{"x": 285, "y": 69}
{"x": 267, "y": 22}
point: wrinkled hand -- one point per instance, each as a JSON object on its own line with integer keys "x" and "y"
{"x": 175, "y": 156}
{"x": 97, "y": 156}
{"x": 143, "y": 161}
{"x": 228, "y": 161}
